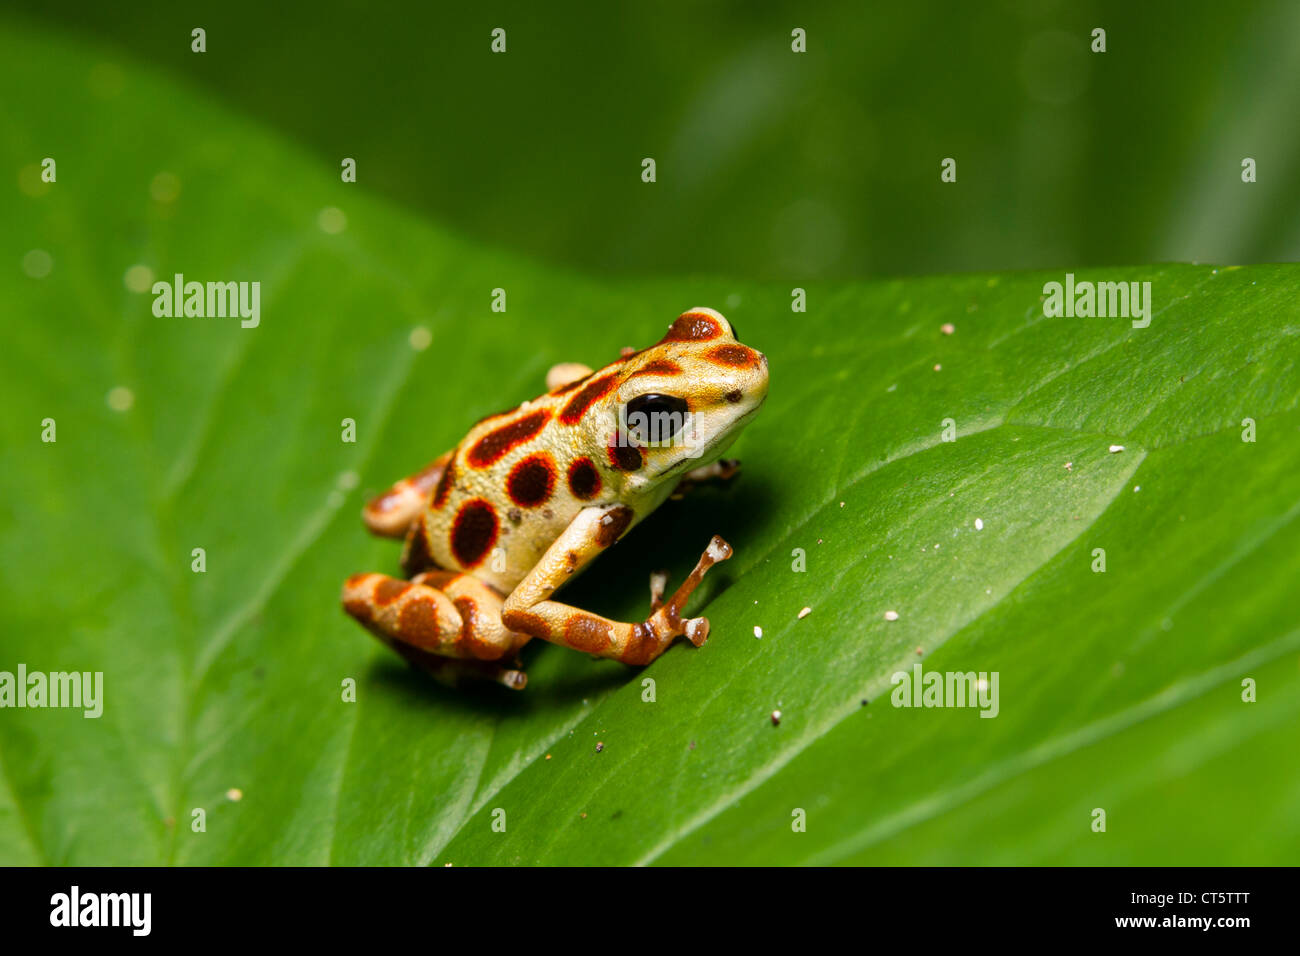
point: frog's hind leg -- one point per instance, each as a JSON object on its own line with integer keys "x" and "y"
{"x": 530, "y": 610}
{"x": 391, "y": 514}
{"x": 445, "y": 623}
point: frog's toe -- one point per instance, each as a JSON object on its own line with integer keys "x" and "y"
{"x": 515, "y": 680}
{"x": 658, "y": 585}
{"x": 697, "y": 630}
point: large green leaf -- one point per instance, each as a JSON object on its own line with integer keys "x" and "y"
{"x": 1120, "y": 690}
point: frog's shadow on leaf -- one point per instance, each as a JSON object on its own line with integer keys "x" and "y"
{"x": 419, "y": 690}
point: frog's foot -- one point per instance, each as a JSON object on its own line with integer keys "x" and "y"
{"x": 391, "y": 514}
{"x": 529, "y": 609}
{"x": 658, "y": 585}
{"x": 722, "y": 470}
{"x": 445, "y": 623}
{"x": 566, "y": 373}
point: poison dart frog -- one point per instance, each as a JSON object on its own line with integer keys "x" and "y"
{"x": 494, "y": 527}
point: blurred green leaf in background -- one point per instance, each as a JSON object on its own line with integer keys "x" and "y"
{"x": 1119, "y": 690}
{"x": 773, "y": 164}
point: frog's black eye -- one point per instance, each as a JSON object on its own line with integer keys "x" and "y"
{"x": 655, "y": 418}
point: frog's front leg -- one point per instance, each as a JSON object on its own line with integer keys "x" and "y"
{"x": 443, "y": 622}
{"x": 530, "y": 610}
{"x": 391, "y": 514}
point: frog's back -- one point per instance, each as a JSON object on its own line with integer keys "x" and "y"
{"x": 520, "y": 477}
{"x": 515, "y": 483}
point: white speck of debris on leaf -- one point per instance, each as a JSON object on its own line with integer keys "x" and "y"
{"x": 1115, "y": 448}
{"x": 947, "y": 328}
{"x": 979, "y": 524}
{"x": 891, "y": 615}
{"x": 841, "y": 504}
{"x": 234, "y": 794}
{"x": 938, "y": 368}
{"x": 776, "y": 717}
{"x": 1069, "y": 466}
{"x": 804, "y": 613}
{"x": 758, "y": 631}
{"x": 1137, "y": 487}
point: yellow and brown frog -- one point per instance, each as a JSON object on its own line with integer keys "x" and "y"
{"x": 531, "y": 496}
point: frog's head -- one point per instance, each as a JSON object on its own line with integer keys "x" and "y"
{"x": 682, "y": 401}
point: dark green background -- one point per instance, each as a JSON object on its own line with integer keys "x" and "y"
{"x": 771, "y": 164}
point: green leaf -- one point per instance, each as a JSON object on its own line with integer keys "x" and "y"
{"x": 1119, "y": 690}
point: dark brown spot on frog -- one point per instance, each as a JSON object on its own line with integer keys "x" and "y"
{"x": 732, "y": 356}
{"x": 525, "y": 622}
{"x": 658, "y": 367}
{"x": 591, "y": 393}
{"x": 445, "y": 482}
{"x": 390, "y": 589}
{"x": 473, "y": 532}
{"x": 418, "y": 623}
{"x": 734, "y": 396}
{"x": 584, "y": 480}
{"x": 693, "y": 327}
{"x": 584, "y": 632}
{"x": 497, "y": 443}
{"x": 531, "y": 481}
{"x": 439, "y": 579}
{"x": 515, "y": 516}
{"x": 612, "y": 525}
{"x": 469, "y": 630}
{"x": 641, "y": 646}
{"x": 624, "y": 457}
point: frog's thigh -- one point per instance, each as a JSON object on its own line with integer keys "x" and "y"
{"x": 392, "y": 513}
{"x": 426, "y": 624}
{"x": 529, "y": 609}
